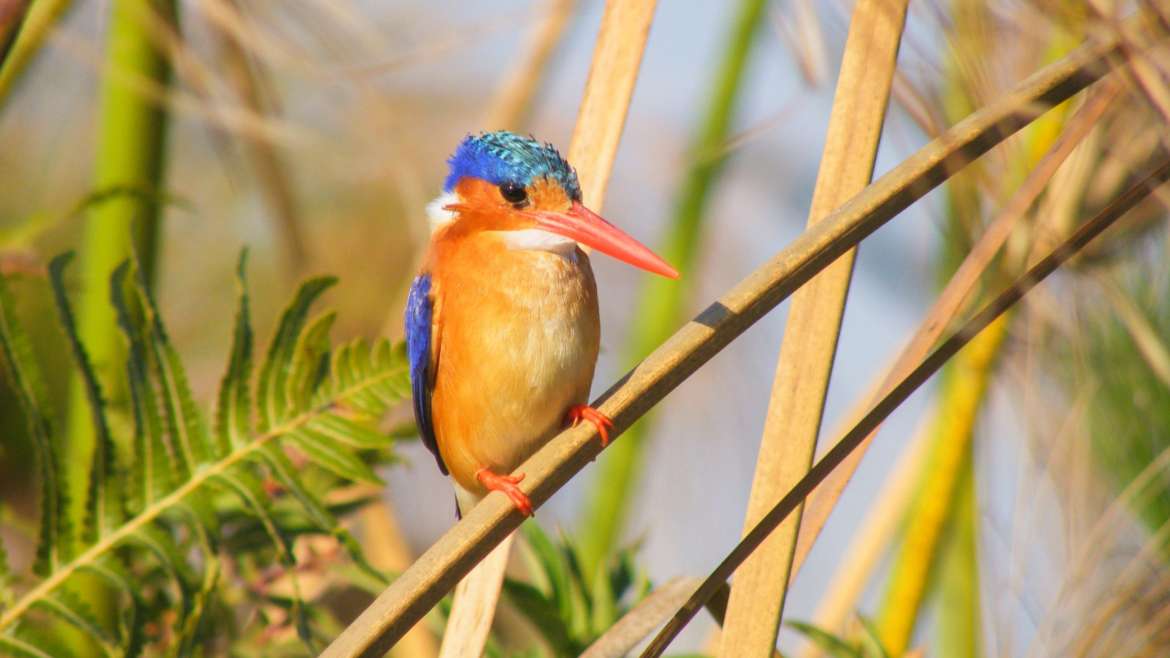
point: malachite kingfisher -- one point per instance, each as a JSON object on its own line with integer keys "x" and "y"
{"x": 502, "y": 328}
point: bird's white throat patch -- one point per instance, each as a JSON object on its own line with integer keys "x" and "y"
{"x": 437, "y": 216}
{"x": 536, "y": 239}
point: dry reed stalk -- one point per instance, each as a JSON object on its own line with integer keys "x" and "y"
{"x": 12, "y": 13}
{"x": 454, "y": 554}
{"x": 877, "y": 414}
{"x": 956, "y": 293}
{"x": 868, "y": 545}
{"x": 474, "y": 605}
{"x": 814, "y": 323}
{"x": 385, "y": 547}
{"x": 954, "y": 428}
{"x": 632, "y": 628}
{"x": 616, "y": 60}
{"x": 37, "y": 19}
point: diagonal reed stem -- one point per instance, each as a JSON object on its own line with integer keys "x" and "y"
{"x": 878, "y": 413}
{"x": 455, "y": 553}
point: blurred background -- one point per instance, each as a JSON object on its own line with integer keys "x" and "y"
{"x": 315, "y": 132}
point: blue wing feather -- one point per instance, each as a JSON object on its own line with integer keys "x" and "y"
{"x": 418, "y": 350}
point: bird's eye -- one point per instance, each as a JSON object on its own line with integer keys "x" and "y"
{"x": 513, "y": 193}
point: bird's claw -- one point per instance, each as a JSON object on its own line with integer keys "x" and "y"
{"x": 507, "y": 484}
{"x": 579, "y": 412}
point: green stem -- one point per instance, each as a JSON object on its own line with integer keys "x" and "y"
{"x": 661, "y": 305}
{"x": 958, "y": 627}
{"x": 128, "y": 177}
{"x": 963, "y": 389}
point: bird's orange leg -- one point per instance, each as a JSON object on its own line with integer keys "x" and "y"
{"x": 507, "y": 484}
{"x": 579, "y": 412}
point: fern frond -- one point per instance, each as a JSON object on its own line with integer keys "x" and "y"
{"x": 170, "y": 557}
{"x": 174, "y": 516}
{"x": 104, "y": 506}
{"x": 310, "y": 362}
{"x": 322, "y": 452}
{"x": 156, "y": 467}
{"x": 11, "y": 646}
{"x": 184, "y": 423}
{"x": 283, "y": 471}
{"x": 132, "y": 624}
{"x": 31, "y": 392}
{"x": 68, "y": 607}
{"x": 271, "y": 392}
{"x": 233, "y": 413}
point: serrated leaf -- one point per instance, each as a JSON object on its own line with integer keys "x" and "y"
{"x": 274, "y": 374}
{"x": 321, "y": 451}
{"x": 186, "y": 636}
{"x": 132, "y": 629}
{"x": 170, "y": 558}
{"x": 283, "y": 471}
{"x": 71, "y": 609}
{"x": 250, "y": 492}
{"x": 20, "y": 649}
{"x": 233, "y": 414}
{"x": 31, "y": 392}
{"x": 185, "y": 425}
{"x": 156, "y": 464}
{"x": 104, "y": 505}
{"x": 345, "y": 431}
{"x": 248, "y": 489}
{"x": 310, "y": 362}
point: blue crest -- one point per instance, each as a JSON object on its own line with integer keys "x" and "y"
{"x": 505, "y": 157}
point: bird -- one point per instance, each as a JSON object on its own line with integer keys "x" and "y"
{"x": 502, "y": 324}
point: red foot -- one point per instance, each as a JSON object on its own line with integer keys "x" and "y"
{"x": 579, "y": 412}
{"x": 507, "y": 484}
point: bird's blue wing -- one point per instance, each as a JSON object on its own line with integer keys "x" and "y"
{"x": 418, "y": 349}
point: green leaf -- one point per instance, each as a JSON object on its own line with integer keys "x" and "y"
{"x": 275, "y": 372}
{"x": 233, "y": 414}
{"x": 343, "y": 430}
{"x": 157, "y": 466}
{"x": 31, "y": 392}
{"x": 250, "y": 492}
{"x": 132, "y": 629}
{"x": 871, "y": 645}
{"x": 104, "y": 506}
{"x": 829, "y": 643}
{"x": 533, "y": 604}
{"x": 551, "y": 567}
{"x": 69, "y": 607}
{"x": 184, "y": 422}
{"x": 20, "y": 649}
{"x": 187, "y": 636}
{"x": 310, "y": 363}
{"x": 170, "y": 558}
{"x": 321, "y": 451}
{"x": 286, "y": 474}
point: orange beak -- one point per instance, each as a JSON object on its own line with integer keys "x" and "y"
{"x": 585, "y": 226}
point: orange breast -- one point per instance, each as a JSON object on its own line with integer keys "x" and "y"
{"x": 517, "y": 335}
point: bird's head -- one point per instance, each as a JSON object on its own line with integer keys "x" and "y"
{"x": 525, "y": 190}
